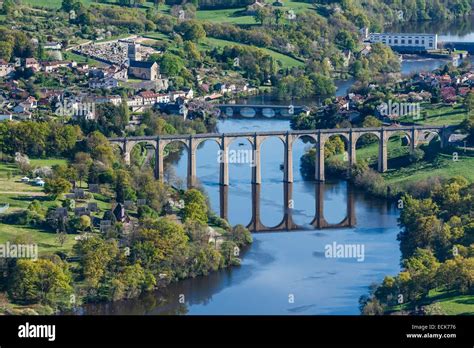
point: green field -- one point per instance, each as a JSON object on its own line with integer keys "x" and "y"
{"x": 51, "y": 3}
{"x": 440, "y": 115}
{"x": 453, "y": 304}
{"x": 285, "y": 60}
{"x": 19, "y": 195}
{"x": 234, "y": 16}
{"x": 450, "y": 303}
{"x": 238, "y": 16}
{"x": 210, "y": 43}
{"x": 399, "y": 172}
{"x": 443, "y": 167}
{"x": 46, "y": 240}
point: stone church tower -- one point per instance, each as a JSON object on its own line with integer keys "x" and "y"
{"x": 133, "y": 52}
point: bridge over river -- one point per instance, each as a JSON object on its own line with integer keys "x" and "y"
{"x": 264, "y": 111}
{"x": 414, "y": 134}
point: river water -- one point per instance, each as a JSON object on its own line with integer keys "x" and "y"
{"x": 287, "y": 273}
{"x": 281, "y": 272}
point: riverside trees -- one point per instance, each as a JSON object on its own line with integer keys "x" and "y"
{"x": 437, "y": 244}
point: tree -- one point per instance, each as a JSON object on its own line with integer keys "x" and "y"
{"x": 171, "y": 64}
{"x": 195, "y": 207}
{"x": 96, "y": 256}
{"x": 422, "y": 267}
{"x": 99, "y": 148}
{"x": 261, "y": 15}
{"x": 416, "y": 155}
{"x": 40, "y": 281}
{"x": 420, "y": 224}
{"x": 469, "y": 102}
{"x": 61, "y": 237}
{"x": 278, "y": 13}
{"x": 8, "y": 7}
{"x": 457, "y": 274}
{"x": 191, "y": 30}
{"x": 123, "y": 188}
{"x": 84, "y": 223}
{"x": 240, "y": 235}
{"x": 56, "y": 187}
{"x": 82, "y": 164}
{"x": 67, "y": 5}
{"x": 6, "y": 50}
{"x": 161, "y": 247}
{"x": 345, "y": 40}
{"x": 468, "y": 126}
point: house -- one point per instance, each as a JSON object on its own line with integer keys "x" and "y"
{"x": 39, "y": 182}
{"x": 144, "y": 70}
{"x": 54, "y": 65}
{"x": 149, "y": 97}
{"x": 120, "y": 214}
{"x": 5, "y": 68}
{"x": 444, "y": 80}
{"x": 82, "y": 67}
{"x": 21, "y": 108}
{"x": 32, "y": 63}
{"x": 366, "y": 50}
{"x": 56, "y": 46}
{"x": 117, "y": 72}
{"x": 464, "y": 91}
{"x": 114, "y": 99}
{"x": 26, "y": 105}
{"x": 107, "y": 83}
{"x": 186, "y": 93}
{"x": 256, "y": 6}
{"x": 96, "y": 74}
{"x": 135, "y": 101}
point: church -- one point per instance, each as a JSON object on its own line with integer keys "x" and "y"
{"x": 141, "y": 69}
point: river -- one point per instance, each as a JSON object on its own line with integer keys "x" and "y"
{"x": 287, "y": 273}
{"x": 281, "y": 266}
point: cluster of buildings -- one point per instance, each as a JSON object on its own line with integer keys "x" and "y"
{"x": 450, "y": 87}
{"x": 406, "y": 42}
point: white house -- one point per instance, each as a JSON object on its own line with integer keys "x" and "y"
{"x": 53, "y": 46}
{"x": 107, "y": 83}
{"x": 114, "y": 99}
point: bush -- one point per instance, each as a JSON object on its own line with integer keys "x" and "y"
{"x": 371, "y": 181}
{"x": 416, "y": 155}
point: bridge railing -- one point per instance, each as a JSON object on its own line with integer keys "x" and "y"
{"x": 277, "y": 133}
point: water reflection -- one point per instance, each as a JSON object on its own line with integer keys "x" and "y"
{"x": 283, "y": 263}
{"x": 448, "y": 30}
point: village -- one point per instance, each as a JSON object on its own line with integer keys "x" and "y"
{"x": 120, "y": 63}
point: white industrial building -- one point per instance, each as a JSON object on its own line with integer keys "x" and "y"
{"x": 407, "y": 42}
